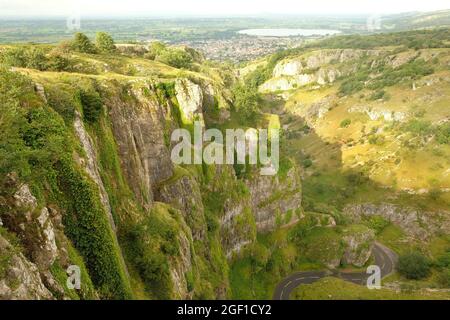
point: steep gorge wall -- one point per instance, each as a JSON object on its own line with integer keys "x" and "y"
{"x": 207, "y": 213}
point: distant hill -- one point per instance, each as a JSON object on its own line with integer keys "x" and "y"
{"x": 417, "y": 20}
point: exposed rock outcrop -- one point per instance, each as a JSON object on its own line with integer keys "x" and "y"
{"x": 183, "y": 193}
{"x": 416, "y": 223}
{"x": 34, "y": 226}
{"x": 20, "y": 278}
{"x": 275, "y": 201}
{"x": 138, "y": 127}
{"x": 359, "y": 241}
{"x": 190, "y": 100}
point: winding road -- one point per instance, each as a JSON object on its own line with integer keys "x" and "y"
{"x": 385, "y": 258}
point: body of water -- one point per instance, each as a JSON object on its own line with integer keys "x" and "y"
{"x": 288, "y": 32}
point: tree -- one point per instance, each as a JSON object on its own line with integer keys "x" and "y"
{"x": 81, "y": 43}
{"x": 246, "y": 101}
{"x": 105, "y": 42}
{"x": 414, "y": 266}
{"x": 175, "y": 58}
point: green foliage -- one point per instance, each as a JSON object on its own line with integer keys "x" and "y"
{"x": 14, "y": 57}
{"x": 36, "y": 59}
{"x": 31, "y": 139}
{"x": 418, "y": 127}
{"x": 35, "y": 144}
{"x": 307, "y": 163}
{"x": 58, "y": 61}
{"x": 92, "y": 105}
{"x": 417, "y": 39}
{"x": 81, "y": 43}
{"x": 302, "y": 229}
{"x": 389, "y": 76}
{"x": 86, "y": 224}
{"x": 380, "y": 94}
{"x": 25, "y": 57}
{"x": 354, "y": 84}
{"x": 377, "y": 223}
{"x": 444, "y": 260}
{"x": 246, "y": 101}
{"x": 413, "y": 70}
{"x": 176, "y": 58}
{"x": 155, "y": 241}
{"x": 345, "y": 123}
{"x": 443, "y": 133}
{"x": 104, "y": 42}
{"x": 377, "y": 139}
{"x": 414, "y": 266}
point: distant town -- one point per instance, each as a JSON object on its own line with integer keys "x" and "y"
{"x": 242, "y": 48}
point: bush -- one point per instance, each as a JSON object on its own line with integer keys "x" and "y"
{"x": 92, "y": 105}
{"x": 87, "y": 225}
{"x": 345, "y": 123}
{"x": 377, "y": 223}
{"x": 33, "y": 58}
{"x": 380, "y": 94}
{"x": 418, "y": 127}
{"x": 36, "y": 59}
{"x": 307, "y": 163}
{"x": 414, "y": 266}
{"x": 104, "y": 42}
{"x": 14, "y": 57}
{"x": 176, "y": 58}
{"x": 154, "y": 243}
{"x": 58, "y": 61}
{"x": 443, "y": 134}
{"x": 81, "y": 43}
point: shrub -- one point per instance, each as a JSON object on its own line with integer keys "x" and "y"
{"x": 87, "y": 226}
{"x": 443, "y": 134}
{"x": 345, "y": 123}
{"x": 58, "y": 61}
{"x": 36, "y": 59}
{"x": 414, "y": 266}
{"x": 14, "y": 57}
{"x": 33, "y": 58}
{"x": 307, "y": 163}
{"x": 418, "y": 127}
{"x": 92, "y": 105}
{"x": 154, "y": 242}
{"x": 104, "y": 42}
{"x": 377, "y": 223}
{"x": 81, "y": 43}
{"x": 380, "y": 94}
{"x": 176, "y": 58}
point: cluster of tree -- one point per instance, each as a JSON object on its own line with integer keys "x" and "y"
{"x": 420, "y": 39}
{"x": 416, "y": 266}
{"x": 423, "y": 128}
{"x": 388, "y": 76}
{"x": 180, "y": 58}
{"x": 104, "y": 43}
{"x": 35, "y": 58}
{"x": 57, "y": 59}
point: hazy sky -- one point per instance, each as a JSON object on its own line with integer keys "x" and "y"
{"x": 211, "y": 7}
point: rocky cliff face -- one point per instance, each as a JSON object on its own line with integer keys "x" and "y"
{"x": 416, "y": 223}
{"x": 138, "y": 123}
{"x": 204, "y": 214}
{"x": 314, "y": 68}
